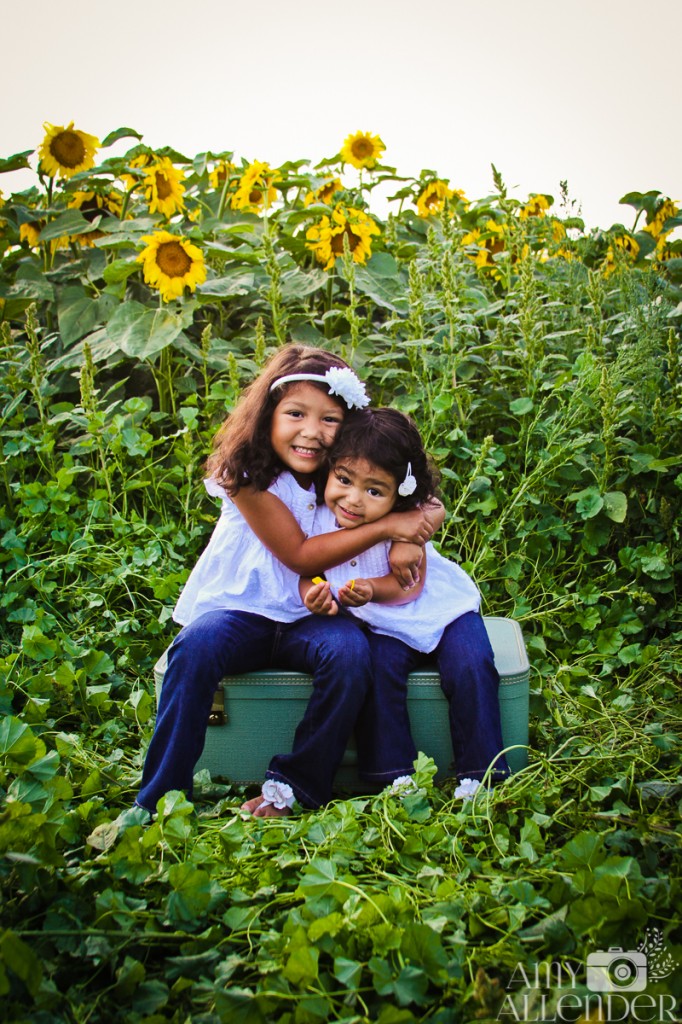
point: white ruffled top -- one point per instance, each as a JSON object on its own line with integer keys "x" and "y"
{"x": 448, "y": 593}
{"x": 237, "y": 572}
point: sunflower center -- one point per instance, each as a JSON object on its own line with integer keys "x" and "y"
{"x": 90, "y": 209}
{"x": 494, "y": 245}
{"x": 255, "y": 196}
{"x": 432, "y": 200}
{"x": 337, "y": 241}
{"x": 163, "y": 186}
{"x": 172, "y": 259}
{"x": 68, "y": 149}
{"x": 362, "y": 148}
{"x": 326, "y": 192}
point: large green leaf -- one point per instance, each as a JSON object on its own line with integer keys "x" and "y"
{"x": 296, "y": 284}
{"x": 616, "y": 506}
{"x": 16, "y": 162}
{"x": 588, "y": 502}
{"x": 226, "y": 287}
{"x": 120, "y": 133}
{"x": 77, "y": 313}
{"x": 141, "y": 332}
{"x": 382, "y": 280}
{"x": 673, "y": 268}
{"x": 70, "y": 223}
{"x": 30, "y": 283}
{"x": 17, "y": 742}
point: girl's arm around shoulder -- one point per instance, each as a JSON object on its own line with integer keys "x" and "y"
{"x": 276, "y": 528}
{"x": 406, "y": 559}
{"x": 434, "y": 510}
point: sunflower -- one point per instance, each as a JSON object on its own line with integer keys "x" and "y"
{"x": 30, "y": 233}
{"x": 255, "y": 189}
{"x": 656, "y": 223}
{"x": 66, "y": 151}
{"x": 171, "y": 263}
{"x": 92, "y": 205}
{"x": 625, "y": 248}
{"x": 163, "y": 189}
{"x": 221, "y": 173}
{"x": 326, "y": 238}
{"x": 139, "y": 162}
{"x": 324, "y": 193}
{"x": 558, "y": 230}
{"x": 665, "y": 249}
{"x": 535, "y": 207}
{"x": 362, "y": 149}
{"x": 432, "y": 200}
{"x": 489, "y": 243}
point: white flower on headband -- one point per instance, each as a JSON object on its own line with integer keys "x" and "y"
{"x": 279, "y": 794}
{"x": 409, "y": 484}
{"x": 343, "y": 382}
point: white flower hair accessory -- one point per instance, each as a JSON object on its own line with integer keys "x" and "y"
{"x": 347, "y": 385}
{"x": 279, "y": 794}
{"x": 340, "y": 380}
{"x": 409, "y": 484}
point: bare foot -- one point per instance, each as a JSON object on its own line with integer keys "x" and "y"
{"x": 270, "y": 811}
{"x": 252, "y": 805}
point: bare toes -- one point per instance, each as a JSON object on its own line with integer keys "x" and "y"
{"x": 270, "y": 811}
{"x": 252, "y": 805}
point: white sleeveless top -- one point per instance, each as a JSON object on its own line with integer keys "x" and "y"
{"x": 237, "y": 572}
{"x": 448, "y": 593}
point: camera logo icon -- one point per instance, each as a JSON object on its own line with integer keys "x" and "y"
{"x": 617, "y": 970}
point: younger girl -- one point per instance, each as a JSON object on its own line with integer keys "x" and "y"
{"x": 379, "y": 466}
{"x": 240, "y": 607}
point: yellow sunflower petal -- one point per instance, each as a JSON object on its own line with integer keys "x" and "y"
{"x": 171, "y": 264}
{"x": 326, "y": 238}
{"x": 66, "y": 151}
{"x": 362, "y": 150}
{"x": 163, "y": 188}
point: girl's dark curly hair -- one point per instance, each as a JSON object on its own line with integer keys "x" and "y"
{"x": 242, "y": 450}
{"x": 388, "y": 439}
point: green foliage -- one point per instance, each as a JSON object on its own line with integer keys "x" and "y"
{"x": 545, "y": 376}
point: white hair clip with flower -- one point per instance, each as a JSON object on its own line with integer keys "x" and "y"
{"x": 340, "y": 380}
{"x": 409, "y": 484}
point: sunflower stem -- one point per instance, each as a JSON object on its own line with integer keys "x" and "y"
{"x": 126, "y": 200}
{"x": 223, "y": 197}
{"x": 328, "y": 303}
{"x": 352, "y": 312}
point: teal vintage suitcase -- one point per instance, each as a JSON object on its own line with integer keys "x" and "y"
{"x": 256, "y": 714}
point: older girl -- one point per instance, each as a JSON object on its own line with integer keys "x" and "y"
{"x": 240, "y": 607}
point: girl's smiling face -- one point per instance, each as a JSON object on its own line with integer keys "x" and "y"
{"x": 304, "y": 424}
{"x": 359, "y": 492}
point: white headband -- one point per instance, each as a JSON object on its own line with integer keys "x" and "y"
{"x": 340, "y": 380}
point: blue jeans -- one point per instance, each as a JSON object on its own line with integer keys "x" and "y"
{"x": 470, "y": 682}
{"x": 334, "y": 651}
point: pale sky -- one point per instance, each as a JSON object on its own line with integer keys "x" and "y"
{"x": 585, "y": 91}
